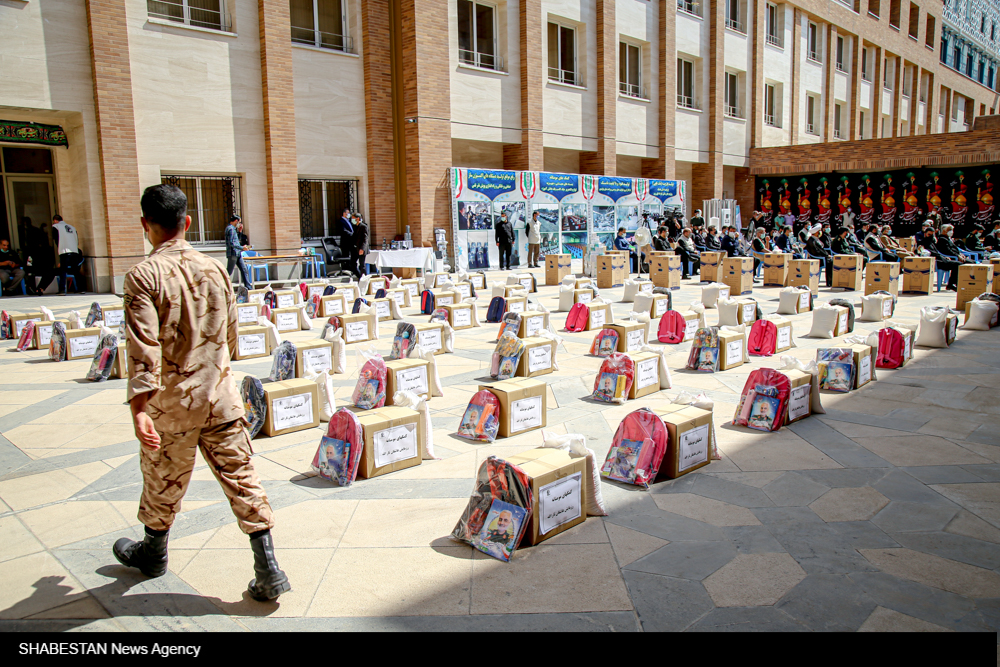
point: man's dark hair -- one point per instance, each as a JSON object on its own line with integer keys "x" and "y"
{"x": 234, "y": 218}
{"x": 164, "y": 205}
{"x": 621, "y": 229}
{"x": 661, "y": 229}
{"x": 534, "y": 213}
{"x": 57, "y": 217}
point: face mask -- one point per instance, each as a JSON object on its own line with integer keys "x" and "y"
{"x": 950, "y": 234}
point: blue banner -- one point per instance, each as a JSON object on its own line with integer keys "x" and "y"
{"x": 491, "y": 182}
{"x": 663, "y": 190}
{"x": 614, "y": 187}
{"x": 559, "y": 185}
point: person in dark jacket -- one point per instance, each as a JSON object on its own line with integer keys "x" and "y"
{"x": 359, "y": 241}
{"x": 992, "y": 240}
{"x": 841, "y": 244}
{"x": 712, "y": 242}
{"x": 946, "y": 244}
{"x": 729, "y": 244}
{"x": 660, "y": 242}
{"x": 815, "y": 247}
{"x": 42, "y": 259}
{"x": 930, "y": 243}
{"x": 346, "y": 230}
{"x": 505, "y": 240}
{"x": 974, "y": 241}
{"x": 874, "y": 243}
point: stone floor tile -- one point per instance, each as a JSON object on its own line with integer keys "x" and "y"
{"x": 590, "y": 531}
{"x": 630, "y": 545}
{"x": 667, "y": 525}
{"x": 710, "y": 511}
{"x": 747, "y": 619}
{"x": 968, "y": 524}
{"x": 686, "y": 560}
{"x": 665, "y": 604}
{"x": 415, "y": 522}
{"x": 941, "y": 474}
{"x": 920, "y": 450}
{"x": 828, "y": 603}
{"x": 84, "y": 608}
{"x": 753, "y": 580}
{"x": 849, "y": 504}
{"x": 900, "y": 517}
{"x": 898, "y": 485}
{"x": 462, "y": 466}
{"x": 17, "y": 540}
{"x": 846, "y": 477}
{"x": 793, "y": 489}
{"x": 914, "y": 599}
{"x": 731, "y": 491}
{"x": 36, "y": 583}
{"x": 758, "y": 480}
{"x": 65, "y": 523}
{"x": 942, "y": 573}
{"x": 24, "y": 492}
{"x": 862, "y": 534}
{"x": 949, "y": 427}
{"x": 752, "y": 539}
{"x": 982, "y": 499}
{"x": 887, "y": 620}
{"x": 860, "y": 430}
{"x": 955, "y": 547}
{"x": 780, "y": 450}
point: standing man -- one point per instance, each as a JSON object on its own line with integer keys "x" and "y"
{"x": 180, "y": 317}
{"x": 360, "y": 241}
{"x": 505, "y": 240}
{"x": 234, "y": 251}
{"x": 11, "y": 268}
{"x": 697, "y": 220}
{"x": 534, "y": 240}
{"x": 68, "y": 248}
{"x": 347, "y": 243}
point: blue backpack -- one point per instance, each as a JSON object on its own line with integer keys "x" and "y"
{"x": 330, "y": 289}
{"x": 496, "y": 310}
{"x": 357, "y": 305}
{"x": 380, "y": 294}
{"x": 427, "y": 302}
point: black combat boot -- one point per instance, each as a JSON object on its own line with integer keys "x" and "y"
{"x": 271, "y": 581}
{"x": 149, "y": 556}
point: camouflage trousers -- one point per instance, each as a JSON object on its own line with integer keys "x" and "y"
{"x": 166, "y": 473}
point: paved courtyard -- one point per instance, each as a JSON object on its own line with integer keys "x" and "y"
{"x": 883, "y": 514}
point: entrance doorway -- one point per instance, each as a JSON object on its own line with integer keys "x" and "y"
{"x": 27, "y": 192}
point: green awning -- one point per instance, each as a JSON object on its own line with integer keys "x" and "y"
{"x": 32, "y": 133}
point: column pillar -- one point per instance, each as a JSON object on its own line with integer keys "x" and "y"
{"x": 831, "y": 67}
{"x": 755, "y": 100}
{"x": 796, "y": 74}
{"x": 877, "y": 86}
{"x": 915, "y": 87}
{"x": 529, "y": 155}
{"x": 930, "y": 110}
{"x": 604, "y": 160}
{"x": 378, "y": 44}
{"x": 666, "y": 51}
{"x": 949, "y": 99}
{"x": 706, "y": 177}
{"x": 854, "y": 122}
{"x": 897, "y": 96}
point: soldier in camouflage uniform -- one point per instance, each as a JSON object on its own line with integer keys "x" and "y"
{"x": 180, "y": 315}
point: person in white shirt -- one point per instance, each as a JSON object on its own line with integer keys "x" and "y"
{"x": 68, "y": 248}
{"x": 534, "y": 240}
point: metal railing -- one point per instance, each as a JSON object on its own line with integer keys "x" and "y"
{"x": 563, "y": 76}
{"x": 323, "y": 40}
{"x": 841, "y": 67}
{"x": 837, "y": 134}
{"x": 733, "y": 112}
{"x": 686, "y": 102}
{"x": 481, "y": 60}
{"x": 689, "y": 6}
{"x": 865, "y": 76}
{"x": 811, "y": 129}
{"x": 775, "y": 40}
{"x": 769, "y": 119}
{"x": 734, "y": 24}
{"x": 814, "y": 56}
{"x": 182, "y": 12}
{"x": 632, "y": 90}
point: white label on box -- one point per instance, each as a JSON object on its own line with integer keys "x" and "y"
{"x": 693, "y": 448}
{"x": 439, "y": 279}
{"x": 646, "y": 288}
{"x": 804, "y": 302}
{"x": 334, "y": 307}
{"x": 464, "y": 289}
{"x": 886, "y": 308}
{"x": 525, "y": 414}
{"x": 113, "y": 317}
{"x": 286, "y": 300}
{"x": 749, "y": 312}
{"x": 907, "y": 341}
{"x": 842, "y": 324}
{"x": 412, "y": 379}
{"x": 382, "y": 309}
{"x": 633, "y": 340}
{"x": 398, "y": 443}
{"x": 585, "y": 297}
{"x": 430, "y": 338}
{"x": 690, "y": 327}
{"x": 463, "y": 317}
{"x": 952, "y": 328}
{"x": 356, "y": 331}
{"x": 319, "y": 359}
{"x": 256, "y": 298}
{"x": 44, "y": 334}
{"x": 375, "y": 284}
{"x": 516, "y": 306}
{"x": 400, "y": 297}
{"x": 286, "y": 321}
{"x": 533, "y": 325}
{"x": 660, "y": 307}
{"x": 526, "y": 283}
{"x": 597, "y": 318}
{"x": 292, "y": 411}
{"x": 246, "y": 314}
{"x": 23, "y": 323}
{"x": 83, "y": 346}
{"x": 647, "y": 372}
{"x": 784, "y": 338}
{"x": 724, "y": 292}
{"x": 865, "y": 370}
{"x": 315, "y": 290}
{"x": 798, "y": 401}
{"x": 445, "y": 300}
{"x": 559, "y": 503}
{"x": 478, "y": 281}
{"x": 734, "y": 352}
{"x": 414, "y": 292}
{"x": 539, "y": 358}
{"x": 248, "y": 345}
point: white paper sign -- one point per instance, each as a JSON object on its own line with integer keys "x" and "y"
{"x": 382, "y": 309}
{"x": 319, "y": 359}
{"x": 334, "y": 306}
{"x": 798, "y": 401}
{"x": 398, "y": 443}
{"x": 693, "y": 448}
{"x": 533, "y": 325}
{"x": 445, "y": 300}
{"x": 400, "y": 297}
{"x": 585, "y": 297}
{"x": 646, "y": 288}
{"x": 113, "y": 317}
{"x": 526, "y": 283}
{"x": 647, "y": 372}
{"x": 886, "y": 308}
{"x": 597, "y": 318}
{"x": 749, "y": 312}
{"x": 539, "y": 358}
{"x": 286, "y": 300}
{"x": 559, "y": 503}
{"x": 315, "y": 290}
{"x": 907, "y": 341}
{"x": 724, "y": 292}
{"x": 690, "y": 327}
{"x": 463, "y": 317}
{"x": 256, "y": 298}
{"x": 479, "y": 281}
{"x": 784, "y": 337}
{"x": 250, "y": 344}
{"x": 286, "y": 321}
{"x": 83, "y": 346}
{"x": 414, "y": 292}
{"x": 516, "y": 306}
{"x": 525, "y": 414}
{"x": 292, "y": 411}
{"x": 842, "y": 324}
{"x": 375, "y": 284}
{"x": 660, "y": 307}
{"x": 865, "y": 370}
{"x": 734, "y": 352}
{"x": 246, "y": 314}
{"x": 804, "y": 302}
{"x": 439, "y": 279}
{"x": 465, "y": 289}
{"x": 356, "y": 331}
{"x": 44, "y": 334}
{"x": 412, "y": 379}
{"x": 23, "y": 323}
{"x": 952, "y": 328}
{"x": 430, "y": 338}
{"x": 633, "y": 340}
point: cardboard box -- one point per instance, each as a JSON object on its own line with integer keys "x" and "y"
{"x": 558, "y": 491}
{"x": 840, "y": 328}
{"x": 584, "y": 295}
{"x": 359, "y": 328}
{"x": 532, "y": 321}
{"x": 375, "y": 283}
{"x": 43, "y": 334}
{"x": 526, "y": 282}
{"x": 120, "y": 368}
{"x": 251, "y": 342}
{"x": 443, "y": 297}
{"x": 951, "y": 327}
{"x": 737, "y": 272}
{"x": 431, "y": 335}
{"x": 804, "y": 273}
{"x": 973, "y": 280}
{"x": 647, "y": 374}
{"x": 460, "y": 316}
{"x": 968, "y": 309}
{"x": 665, "y": 271}
{"x": 657, "y": 305}
{"x": 464, "y": 289}
{"x": 113, "y": 316}
{"x": 784, "y": 335}
{"x": 882, "y": 276}
{"x": 315, "y": 288}
{"x": 847, "y": 271}
{"x": 907, "y": 243}
{"x": 522, "y": 404}
{"x": 400, "y": 296}
{"x": 557, "y": 267}
{"x": 690, "y": 431}
{"x": 82, "y": 343}
{"x": 19, "y": 320}
{"x": 747, "y": 311}
{"x": 631, "y": 335}
{"x": 583, "y": 283}
{"x": 711, "y": 266}
{"x": 350, "y": 291}
{"x": 517, "y": 304}
{"x": 392, "y": 441}
{"x": 537, "y": 358}
{"x": 732, "y": 348}
{"x": 414, "y": 286}
{"x": 334, "y": 304}
{"x": 292, "y": 405}
{"x": 919, "y": 274}
{"x": 382, "y": 309}
{"x": 612, "y": 270}
{"x": 775, "y": 269}
{"x": 407, "y": 375}
{"x": 661, "y": 253}
{"x": 318, "y": 353}
{"x": 864, "y": 364}
{"x": 440, "y": 279}
{"x": 287, "y": 298}
{"x": 256, "y": 295}
{"x": 286, "y": 319}
{"x": 799, "y": 395}
{"x": 247, "y": 313}
{"x": 692, "y": 321}
{"x": 600, "y": 317}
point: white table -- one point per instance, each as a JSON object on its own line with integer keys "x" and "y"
{"x": 415, "y": 258}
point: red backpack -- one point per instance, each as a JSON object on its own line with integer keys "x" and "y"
{"x": 637, "y": 450}
{"x": 764, "y": 400}
{"x": 578, "y": 317}
{"x": 614, "y": 379}
{"x": 672, "y": 328}
{"x": 890, "y": 349}
{"x": 763, "y": 338}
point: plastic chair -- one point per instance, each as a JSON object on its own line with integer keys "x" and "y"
{"x": 64, "y": 283}
{"x": 975, "y": 255}
{"x": 310, "y": 269}
{"x": 873, "y": 255}
{"x": 759, "y": 256}
{"x": 254, "y": 268}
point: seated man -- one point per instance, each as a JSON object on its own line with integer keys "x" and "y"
{"x": 874, "y": 242}
{"x": 930, "y": 243}
{"x": 622, "y": 244}
{"x": 11, "y": 268}
{"x": 729, "y": 243}
{"x": 815, "y": 247}
{"x": 974, "y": 241}
{"x": 892, "y": 244}
{"x": 686, "y": 249}
{"x": 992, "y": 240}
{"x": 712, "y": 242}
{"x": 660, "y": 241}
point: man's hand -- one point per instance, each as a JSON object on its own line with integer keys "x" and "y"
{"x": 145, "y": 431}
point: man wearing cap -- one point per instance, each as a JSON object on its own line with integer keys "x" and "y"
{"x": 816, "y": 249}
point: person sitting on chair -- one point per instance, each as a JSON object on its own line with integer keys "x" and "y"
{"x": 688, "y": 252}
{"x": 892, "y": 244}
{"x": 930, "y": 243}
{"x": 760, "y": 246}
{"x": 874, "y": 243}
{"x": 660, "y": 242}
{"x": 712, "y": 242}
{"x": 816, "y": 250}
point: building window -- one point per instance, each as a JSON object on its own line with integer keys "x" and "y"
{"x": 320, "y": 23}
{"x": 837, "y": 110}
{"x": 477, "y": 43}
{"x": 212, "y": 200}
{"x": 321, "y": 201}
{"x": 685, "y": 84}
{"x": 562, "y": 54}
{"x": 864, "y": 66}
{"x": 734, "y": 19}
{"x": 841, "y": 64}
{"x": 982, "y": 71}
{"x": 811, "y": 115}
{"x": 931, "y": 27}
{"x": 772, "y": 105}
{"x": 197, "y": 13}
{"x": 914, "y": 21}
{"x": 689, "y": 6}
{"x": 814, "y": 42}
{"x": 886, "y": 79}
{"x": 733, "y": 95}
{"x": 774, "y": 31}
{"x": 861, "y": 125}
{"x": 969, "y": 60}
{"x": 630, "y": 70}
{"x": 873, "y": 8}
